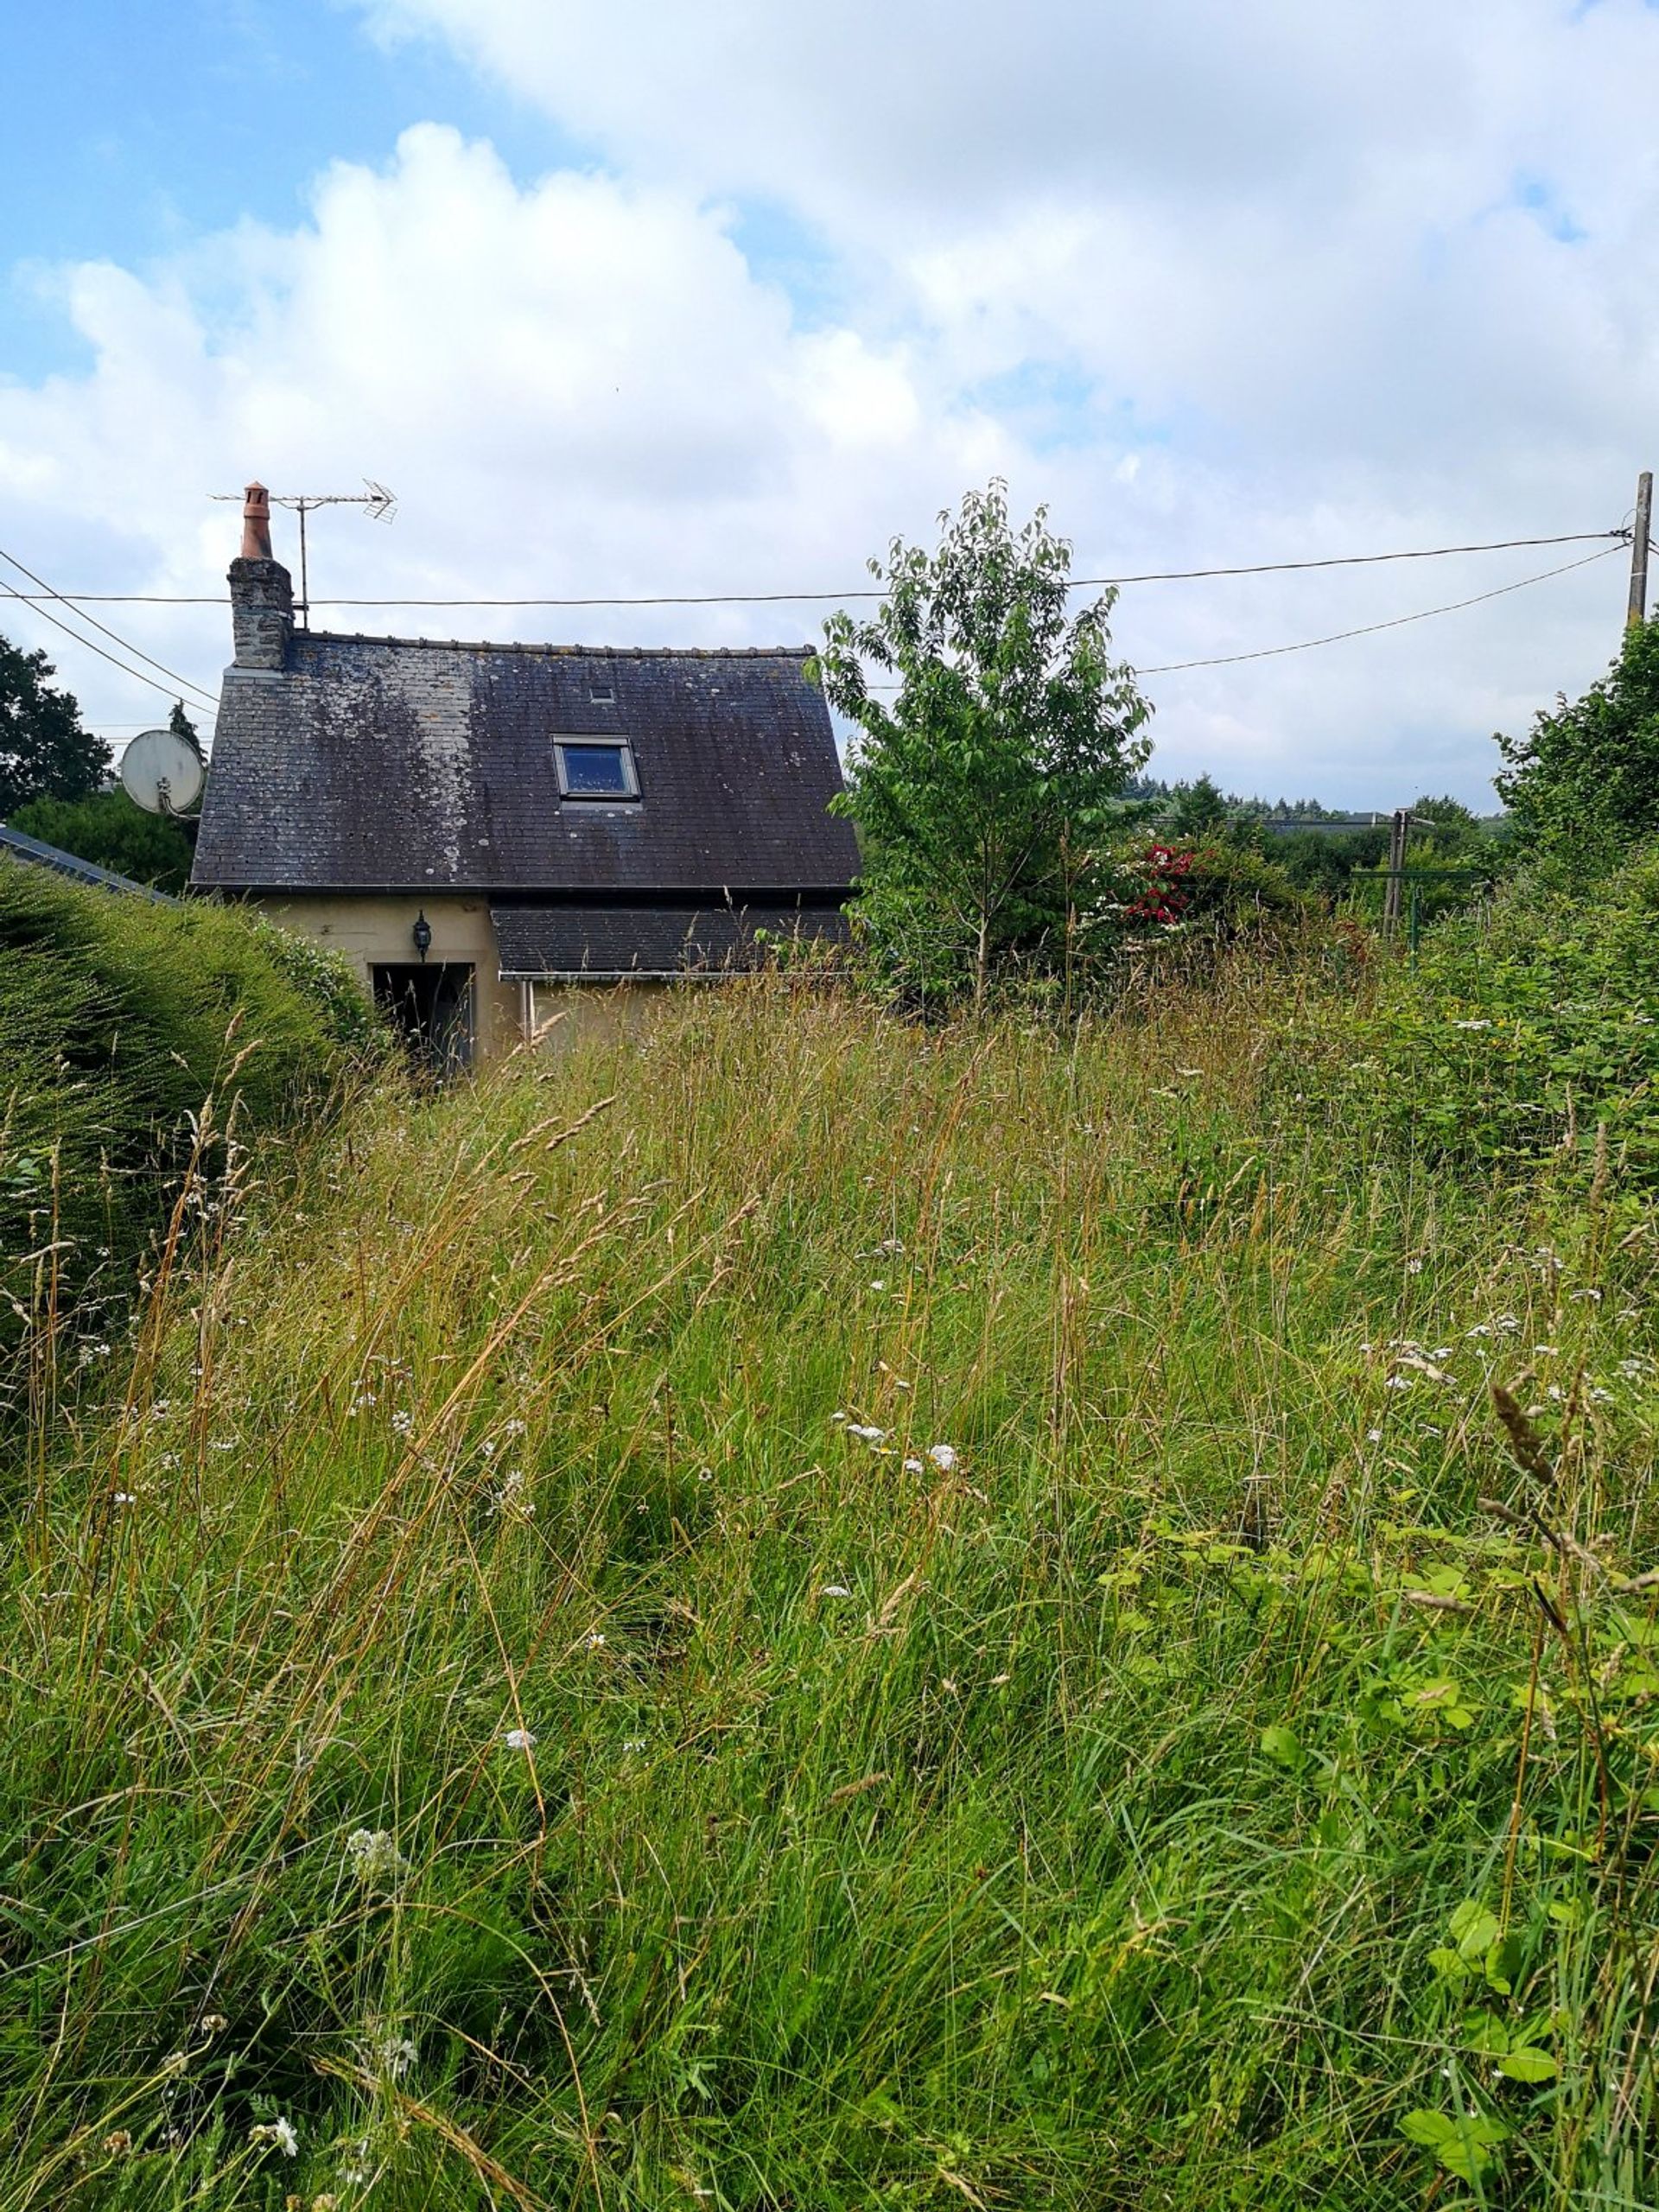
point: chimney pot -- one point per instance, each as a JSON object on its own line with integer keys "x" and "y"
{"x": 256, "y": 524}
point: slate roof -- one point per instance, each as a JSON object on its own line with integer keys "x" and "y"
{"x": 611, "y": 942}
{"x": 400, "y": 764}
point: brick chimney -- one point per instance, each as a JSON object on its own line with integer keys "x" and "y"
{"x": 262, "y": 591}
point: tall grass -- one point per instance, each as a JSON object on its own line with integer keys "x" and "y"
{"x": 808, "y": 1614}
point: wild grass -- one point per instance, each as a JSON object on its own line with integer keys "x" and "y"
{"x": 805, "y": 1613}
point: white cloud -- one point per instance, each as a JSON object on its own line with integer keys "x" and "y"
{"x": 1217, "y": 283}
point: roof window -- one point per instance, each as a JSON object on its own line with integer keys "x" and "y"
{"x": 602, "y": 694}
{"x": 595, "y": 768}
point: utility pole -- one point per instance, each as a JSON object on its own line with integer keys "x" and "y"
{"x": 1638, "y": 609}
{"x": 1393, "y": 902}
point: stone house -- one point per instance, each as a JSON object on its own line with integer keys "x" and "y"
{"x": 483, "y": 829}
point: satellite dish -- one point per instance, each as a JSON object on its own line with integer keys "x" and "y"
{"x": 162, "y": 771}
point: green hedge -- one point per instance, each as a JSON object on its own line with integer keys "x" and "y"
{"x": 1518, "y": 1030}
{"x": 118, "y": 1018}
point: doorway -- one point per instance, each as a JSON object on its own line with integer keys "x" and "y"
{"x": 431, "y": 1009}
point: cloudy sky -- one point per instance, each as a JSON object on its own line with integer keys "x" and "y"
{"x": 658, "y": 296}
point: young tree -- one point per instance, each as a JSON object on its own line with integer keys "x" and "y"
{"x": 1588, "y": 773}
{"x": 984, "y": 790}
{"x": 44, "y": 751}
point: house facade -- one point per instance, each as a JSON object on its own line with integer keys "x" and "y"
{"x": 483, "y": 830}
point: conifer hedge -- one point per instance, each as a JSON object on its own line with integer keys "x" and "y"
{"x": 119, "y": 1020}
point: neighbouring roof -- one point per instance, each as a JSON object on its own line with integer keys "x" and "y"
{"x": 397, "y": 764}
{"x": 37, "y": 855}
{"x": 608, "y": 943}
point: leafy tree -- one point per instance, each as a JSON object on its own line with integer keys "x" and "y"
{"x": 44, "y": 751}
{"x": 1587, "y": 775}
{"x": 109, "y": 830}
{"x": 985, "y": 791}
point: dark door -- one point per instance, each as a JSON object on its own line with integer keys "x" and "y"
{"x": 431, "y": 1008}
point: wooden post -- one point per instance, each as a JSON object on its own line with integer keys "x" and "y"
{"x": 1638, "y": 607}
{"x": 1399, "y": 822}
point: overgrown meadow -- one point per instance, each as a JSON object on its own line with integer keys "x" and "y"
{"x": 812, "y": 1613}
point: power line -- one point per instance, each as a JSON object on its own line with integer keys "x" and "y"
{"x": 1368, "y": 629}
{"x": 126, "y": 669}
{"x": 800, "y": 598}
{"x": 126, "y": 645}
{"x": 1365, "y": 630}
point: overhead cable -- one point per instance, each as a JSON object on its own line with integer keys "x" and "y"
{"x": 1368, "y": 629}
{"x": 168, "y": 691}
{"x": 800, "y": 598}
{"x": 126, "y": 644}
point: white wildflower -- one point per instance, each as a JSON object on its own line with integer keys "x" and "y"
{"x": 519, "y": 1739}
{"x": 279, "y": 2132}
{"x": 1398, "y": 1382}
{"x": 1472, "y": 1025}
{"x": 125, "y": 1498}
{"x": 870, "y": 1435}
{"x": 594, "y": 1640}
{"x": 391, "y": 2056}
{"x": 838, "y": 1417}
{"x": 944, "y": 1457}
{"x": 878, "y": 1284}
{"x": 1373, "y": 1436}
{"x": 374, "y": 1855}
{"x": 914, "y": 1467}
{"x": 834, "y": 1590}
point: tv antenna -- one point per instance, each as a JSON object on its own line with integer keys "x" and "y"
{"x": 378, "y": 504}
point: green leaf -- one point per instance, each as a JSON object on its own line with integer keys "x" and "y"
{"x": 1430, "y": 2129}
{"x": 1486, "y": 2034}
{"x": 1449, "y": 1965}
{"x": 1527, "y": 2064}
{"x": 1474, "y": 1929}
{"x": 1281, "y": 1745}
{"x": 1466, "y": 2159}
{"x": 1503, "y": 1964}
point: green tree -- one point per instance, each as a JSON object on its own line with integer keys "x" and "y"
{"x": 1198, "y": 811}
{"x": 181, "y": 726}
{"x": 985, "y": 789}
{"x": 1587, "y": 774}
{"x": 44, "y": 751}
{"x": 110, "y": 830}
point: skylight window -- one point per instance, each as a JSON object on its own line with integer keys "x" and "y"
{"x": 595, "y": 768}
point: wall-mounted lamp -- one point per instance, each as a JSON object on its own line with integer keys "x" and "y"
{"x": 421, "y": 934}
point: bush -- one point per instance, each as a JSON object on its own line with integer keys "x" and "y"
{"x": 118, "y": 1018}
{"x": 1517, "y": 1030}
{"x": 109, "y": 830}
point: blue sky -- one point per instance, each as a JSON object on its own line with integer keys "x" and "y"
{"x": 147, "y": 129}
{"x": 631, "y": 297}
